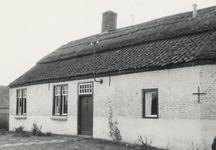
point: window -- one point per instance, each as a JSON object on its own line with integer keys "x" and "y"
{"x": 150, "y": 103}
{"x": 85, "y": 88}
{"x": 60, "y": 100}
{"x": 21, "y": 102}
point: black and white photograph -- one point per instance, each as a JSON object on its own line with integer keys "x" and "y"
{"x": 108, "y": 74}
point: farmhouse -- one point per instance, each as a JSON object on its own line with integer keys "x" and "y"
{"x": 157, "y": 79}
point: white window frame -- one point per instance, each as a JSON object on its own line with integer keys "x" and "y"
{"x": 21, "y": 95}
{"x": 24, "y": 98}
{"x": 64, "y": 94}
{"x": 19, "y": 109}
{"x": 147, "y": 103}
{"x": 59, "y": 92}
{"x": 85, "y": 88}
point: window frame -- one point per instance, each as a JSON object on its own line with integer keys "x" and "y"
{"x": 144, "y": 104}
{"x": 61, "y": 95}
{"x": 89, "y": 90}
{"x": 21, "y": 99}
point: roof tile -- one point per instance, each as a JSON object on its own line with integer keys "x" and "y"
{"x": 163, "y": 42}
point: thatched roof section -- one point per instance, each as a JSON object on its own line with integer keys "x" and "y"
{"x": 169, "y": 42}
{"x": 163, "y": 28}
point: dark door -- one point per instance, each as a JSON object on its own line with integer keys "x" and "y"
{"x": 85, "y": 115}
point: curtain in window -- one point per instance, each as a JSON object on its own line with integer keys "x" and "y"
{"x": 57, "y": 104}
{"x": 148, "y": 103}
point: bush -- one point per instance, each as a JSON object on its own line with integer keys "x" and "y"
{"x": 36, "y": 130}
{"x": 214, "y": 144}
{"x": 20, "y": 132}
{"x": 49, "y": 134}
{"x": 20, "y": 129}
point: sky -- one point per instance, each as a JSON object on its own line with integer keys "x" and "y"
{"x": 31, "y": 29}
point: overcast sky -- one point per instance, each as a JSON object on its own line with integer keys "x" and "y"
{"x": 31, "y": 29}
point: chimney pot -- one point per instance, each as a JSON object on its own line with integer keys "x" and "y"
{"x": 194, "y": 10}
{"x": 109, "y": 21}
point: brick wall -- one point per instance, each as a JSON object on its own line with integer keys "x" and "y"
{"x": 208, "y": 86}
{"x": 175, "y": 89}
{"x": 6, "y": 110}
{"x": 4, "y": 98}
{"x": 179, "y": 110}
{"x": 4, "y": 107}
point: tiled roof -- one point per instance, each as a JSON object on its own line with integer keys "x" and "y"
{"x": 4, "y": 97}
{"x": 173, "y": 41}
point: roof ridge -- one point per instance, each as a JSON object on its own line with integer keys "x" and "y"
{"x": 161, "y": 28}
{"x": 141, "y": 24}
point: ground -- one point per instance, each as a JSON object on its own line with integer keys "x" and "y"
{"x": 61, "y": 142}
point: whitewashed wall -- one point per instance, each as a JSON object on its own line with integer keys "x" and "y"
{"x": 179, "y": 124}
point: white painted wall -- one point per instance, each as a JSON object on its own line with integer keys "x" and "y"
{"x": 179, "y": 121}
{"x": 39, "y": 109}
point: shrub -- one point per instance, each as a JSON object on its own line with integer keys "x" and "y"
{"x": 146, "y": 144}
{"x": 49, "y": 134}
{"x": 20, "y": 129}
{"x": 20, "y": 132}
{"x": 36, "y": 130}
{"x": 214, "y": 144}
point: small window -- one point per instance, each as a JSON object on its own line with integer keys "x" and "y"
{"x": 85, "y": 88}
{"x": 21, "y": 102}
{"x": 150, "y": 103}
{"x": 60, "y": 100}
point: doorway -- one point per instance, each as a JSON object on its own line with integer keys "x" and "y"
{"x": 85, "y": 115}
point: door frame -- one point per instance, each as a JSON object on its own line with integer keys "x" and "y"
{"x": 78, "y": 105}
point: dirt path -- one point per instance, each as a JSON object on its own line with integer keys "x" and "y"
{"x": 9, "y": 142}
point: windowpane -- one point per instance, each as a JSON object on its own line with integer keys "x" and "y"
{"x": 85, "y": 88}
{"x": 21, "y": 102}
{"x": 19, "y": 106}
{"x": 60, "y": 100}
{"x": 154, "y": 104}
{"x": 24, "y": 93}
{"x": 150, "y": 103}
{"x": 64, "y": 90}
{"x": 57, "y": 105}
{"x": 148, "y": 106}
{"x": 57, "y": 91}
{"x": 19, "y": 94}
{"x": 24, "y": 105}
{"x": 64, "y": 104}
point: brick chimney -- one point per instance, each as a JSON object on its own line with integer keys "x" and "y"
{"x": 194, "y": 10}
{"x": 109, "y": 21}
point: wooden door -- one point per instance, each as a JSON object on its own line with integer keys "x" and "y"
{"x": 85, "y": 115}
